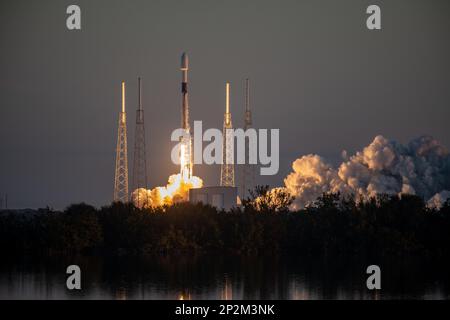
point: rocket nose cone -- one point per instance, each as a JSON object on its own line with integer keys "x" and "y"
{"x": 184, "y": 61}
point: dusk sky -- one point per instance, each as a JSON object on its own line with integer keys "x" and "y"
{"x": 317, "y": 74}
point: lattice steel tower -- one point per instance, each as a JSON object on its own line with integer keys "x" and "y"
{"x": 139, "y": 162}
{"x": 121, "y": 175}
{"x": 248, "y": 170}
{"x": 227, "y": 172}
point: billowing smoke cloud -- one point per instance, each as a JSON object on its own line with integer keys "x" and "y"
{"x": 311, "y": 178}
{"x": 438, "y": 200}
{"x": 421, "y": 167}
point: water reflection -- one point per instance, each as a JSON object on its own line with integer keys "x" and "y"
{"x": 227, "y": 290}
{"x": 220, "y": 277}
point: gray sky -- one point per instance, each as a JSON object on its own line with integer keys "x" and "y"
{"x": 316, "y": 73}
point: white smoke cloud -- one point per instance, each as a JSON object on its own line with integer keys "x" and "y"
{"x": 311, "y": 178}
{"x": 422, "y": 168}
{"x": 438, "y": 200}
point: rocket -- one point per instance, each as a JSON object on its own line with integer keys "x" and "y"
{"x": 186, "y": 142}
{"x": 184, "y": 91}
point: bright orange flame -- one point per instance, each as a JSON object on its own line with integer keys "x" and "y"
{"x": 176, "y": 190}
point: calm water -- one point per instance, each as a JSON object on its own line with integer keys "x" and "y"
{"x": 218, "y": 277}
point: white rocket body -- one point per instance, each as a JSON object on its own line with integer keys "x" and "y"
{"x": 184, "y": 91}
{"x": 186, "y": 142}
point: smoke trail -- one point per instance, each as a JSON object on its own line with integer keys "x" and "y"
{"x": 422, "y": 167}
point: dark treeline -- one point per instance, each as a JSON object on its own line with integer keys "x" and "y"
{"x": 382, "y": 225}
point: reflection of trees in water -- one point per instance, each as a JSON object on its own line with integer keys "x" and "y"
{"x": 227, "y": 277}
{"x": 234, "y": 277}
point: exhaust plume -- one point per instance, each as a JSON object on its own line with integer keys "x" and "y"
{"x": 176, "y": 190}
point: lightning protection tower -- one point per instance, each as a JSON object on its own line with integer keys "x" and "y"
{"x": 227, "y": 172}
{"x": 121, "y": 174}
{"x": 248, "y": 170}
{"x": 139, "y": 163}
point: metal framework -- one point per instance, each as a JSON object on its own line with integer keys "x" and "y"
{"x": 139, "y": 161}
{"x": 248, "y": 170}
{"x": 121, "y": 173}
{"x": 227, "y": 170}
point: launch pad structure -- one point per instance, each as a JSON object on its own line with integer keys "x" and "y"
{"x": 139, "y": 174}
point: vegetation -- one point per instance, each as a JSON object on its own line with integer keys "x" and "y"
{"x": 381, "y": 225}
